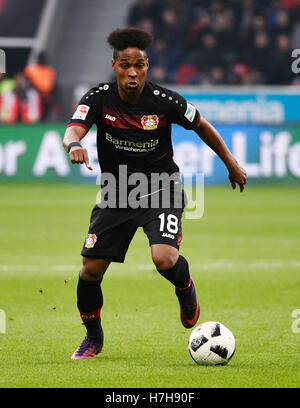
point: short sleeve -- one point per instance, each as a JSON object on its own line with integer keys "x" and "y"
{"x": 183, "y": 112}
{"x": 87, "y": 111}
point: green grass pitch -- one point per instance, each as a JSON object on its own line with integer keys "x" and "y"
{"x": 244, "y": 257}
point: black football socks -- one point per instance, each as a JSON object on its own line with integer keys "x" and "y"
{"x": 90, "y": 302}
{"x": 179, "y": 274}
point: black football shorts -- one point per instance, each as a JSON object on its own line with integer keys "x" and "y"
{"x": 112, "y": 229}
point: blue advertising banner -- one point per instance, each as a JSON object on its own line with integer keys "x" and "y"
{"x": 255, "y": 106}
{"x": 268, "y": 153}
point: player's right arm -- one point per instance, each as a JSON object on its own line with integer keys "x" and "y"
{"x": 77, "y": 153}
{"x": 88, "y": 109}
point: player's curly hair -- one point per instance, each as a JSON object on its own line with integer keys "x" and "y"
{"x": 120, "y": 39}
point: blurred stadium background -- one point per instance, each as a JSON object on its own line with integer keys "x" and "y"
{"x": 232, "y": 59}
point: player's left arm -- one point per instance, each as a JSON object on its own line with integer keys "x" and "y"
{"x": 212, "y": 138}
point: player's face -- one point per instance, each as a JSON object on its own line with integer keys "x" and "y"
{"x": 131, "y": 66}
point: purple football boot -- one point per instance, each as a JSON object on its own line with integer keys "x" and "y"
{"x": 90, "y": 347}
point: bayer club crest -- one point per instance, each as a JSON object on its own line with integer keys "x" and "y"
{"x": 90, "y": 240}
{"x": 150, "y": 122}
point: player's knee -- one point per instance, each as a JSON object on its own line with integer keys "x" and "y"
{"x": 165, "y": 259}
{"x": 90, "y": 272}
{"x": 93, "y": 269}
{"x": 164, "y": 264}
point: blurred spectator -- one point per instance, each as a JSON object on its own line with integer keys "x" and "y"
{"x": 253, "y": 77}
{"x": 228, "y": 41}
{"x": 281, "y": 74}
{"x": 22, "y": 103}
{"x": 43, "y": 78}
{"x": 236, "y": 73}
{"x": 186, "y": 74}
{"x": 259, "y": 25}
{"x": 41, "y": 75}
{"x": 289, "y": 4}
{"x": 159, "y": 75}
{"x": 259, "y": 56}
{"x": 147, "y": 24}
{"x": 169, "y": 29}
{"x": 209, "y": 54}
{"x": 281, "y": 24}
{"x": 217, "y": 11}
{"x": 143, "y": 9}
{"x": 199, "y": 26}
{"x": 247, "y": 16}
{"x": 242, "y": 74}
{"x": 295, "y": 35}
{"x": 6, "y": 84}
{"x": 163, "y": 56}
{"x": 216, "y": 76}
{"x": 182, "y": 10}
{"x": 210, "y": 41}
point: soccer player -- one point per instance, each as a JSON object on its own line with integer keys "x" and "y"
{"x": 134, "y": 118}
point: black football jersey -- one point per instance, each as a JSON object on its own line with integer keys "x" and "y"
{"x": 136, "y": 135}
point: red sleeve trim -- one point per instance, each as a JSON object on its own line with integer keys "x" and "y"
{"x": 78, "y": 124}
{"x": 198, "y": 120}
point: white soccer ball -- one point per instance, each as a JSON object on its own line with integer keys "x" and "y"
{"x": 211, "y": 343}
